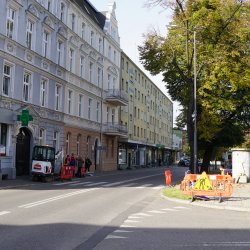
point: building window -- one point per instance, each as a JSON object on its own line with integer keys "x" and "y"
{"x": 55, "y": 140}
{"x": 91, "y": 72}
{"x": 100, "y": 45}
{"x": 58, "y": 97}
{"x": 3, "y": 138}
{"x": 59, "y": 52}
{"x": 6, "y": 80}
{"x": 73, "y": 22}
{"x": 45, "y": 44}
{"x": 89, "y": 109}
{"x": 92, "y": 38}
{"x": 109, "y": 81}
{"x": 62, "y": 12}
{"x": 41, "y": 137}
{"x": 26, "y": 86}
{"x": 29, "y": 34}
{"x": 71, "y": 59}
{"x": 82, "y": 66}
{"x": 67, "y": 144}
{"x": 10, "y": 28}
{"x": 114, "y": 57}
{"x": 107, "y": 114}
{"x": 113, "y": 116}
{"x": 49, "y": 5}
{"x": 97, "y": 111}
{"x": 88, "y": 146}
{"x": 109, "y": 52}
{"x": 70, "y": 102}
{"x": 78, "y": 144}
{"x": 83, "y": 30}
{"x": 43, "y": 93}
{"x": 80, "y": 101}
{"x": 99, "y": 77}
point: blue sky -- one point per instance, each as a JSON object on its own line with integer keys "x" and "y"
{"x": 134, "y": 20}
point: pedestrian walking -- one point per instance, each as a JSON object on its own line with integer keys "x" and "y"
{"x": 88, "y": 163}
{"x": 72, "y": 163}
{"x": 80, "y": 162}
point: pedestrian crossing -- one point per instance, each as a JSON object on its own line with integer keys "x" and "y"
{"x": 103, "y": 184}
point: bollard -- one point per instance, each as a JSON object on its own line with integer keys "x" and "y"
{"x": 168, "y": 177}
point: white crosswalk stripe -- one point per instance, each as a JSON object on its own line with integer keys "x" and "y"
{"x": 95, "y": 183}
{"x": 4, "y": 212}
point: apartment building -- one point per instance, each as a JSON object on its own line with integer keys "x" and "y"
{"x": 60, "y": 71}
{"x": 148, "y": 116}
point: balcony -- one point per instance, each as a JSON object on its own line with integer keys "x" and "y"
{"x": 115, "y": 129}
{"x": 116, "y": 97}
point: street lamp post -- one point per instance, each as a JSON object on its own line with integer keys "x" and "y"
{"x": 195, "y": 108}
{"x": 195, "y": 102}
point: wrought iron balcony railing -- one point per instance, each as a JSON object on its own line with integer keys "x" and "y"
{"x": 116, "y": 97}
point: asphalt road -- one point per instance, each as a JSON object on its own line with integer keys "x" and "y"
{"x": 123, "y": 210}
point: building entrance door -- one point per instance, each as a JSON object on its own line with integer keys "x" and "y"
{"x": 23, "y": 152}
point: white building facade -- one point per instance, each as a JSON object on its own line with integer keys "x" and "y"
{"x": 59, "y": 68}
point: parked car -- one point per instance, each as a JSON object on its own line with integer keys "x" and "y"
{"x": 185, "y": 162}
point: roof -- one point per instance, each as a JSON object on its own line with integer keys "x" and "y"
{"x": 98, "y": 17}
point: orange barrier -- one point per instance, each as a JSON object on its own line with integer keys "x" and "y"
{"x": 83, "y": 170}
{"x": 67, "y": 172}
{"x": 168, "y": 176}
{"x": 207, "y": 185}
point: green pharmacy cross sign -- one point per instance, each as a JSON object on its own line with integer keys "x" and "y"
{"x": 25, "y": 117}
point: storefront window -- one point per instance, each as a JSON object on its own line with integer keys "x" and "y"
{"x": 3, "y": 138}
{"x": 122, "y": 156}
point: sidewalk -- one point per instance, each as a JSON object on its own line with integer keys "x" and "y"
{"x": 240, "y": 200}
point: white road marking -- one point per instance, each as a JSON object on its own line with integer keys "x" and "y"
{"x": 127, "y": 226}
{"x": 143, "y": 214}
{"x": 122, "y": 231}
{"x": 4, "y": 212}
{"x": 113, "y": 184}
{"x": 131, "y": 221}
{"x": 144, "y": 186}
{"x": 81, "y": 183}
{"x": 217, "y": 244}
{"x": 158, "y": 187}
{"x": 115, "y": 237}
{"x": 169, "y": 209}
{"x": 65, "y": 183}
{"x": 133, "y": 217}
{"x": 95, "y": 183}
{"x": 156, "y": 212}
{"x": 59, "y": 197}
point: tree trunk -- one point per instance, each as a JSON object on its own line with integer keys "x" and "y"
{"x": 207, "y": 156}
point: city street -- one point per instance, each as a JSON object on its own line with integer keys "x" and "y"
{"x": 118, "y": 210}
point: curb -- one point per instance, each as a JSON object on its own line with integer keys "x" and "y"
{"x": 238, "y": 209}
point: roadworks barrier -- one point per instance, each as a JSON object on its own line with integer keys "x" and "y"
{"x": 202, "y": 185}
{"x": 67, "y": 172}
{"x": 168, "y": 177}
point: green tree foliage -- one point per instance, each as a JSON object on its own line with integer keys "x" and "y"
{"x": 223, "y": 71}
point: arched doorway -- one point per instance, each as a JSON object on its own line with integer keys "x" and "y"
{"x": 23, "y": 152}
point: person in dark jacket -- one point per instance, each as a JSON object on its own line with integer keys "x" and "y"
{"x": 80, "y": 162}
{"x": 88, "y": 163}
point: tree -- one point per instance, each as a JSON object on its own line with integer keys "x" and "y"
{"x": 223, "y": 74}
